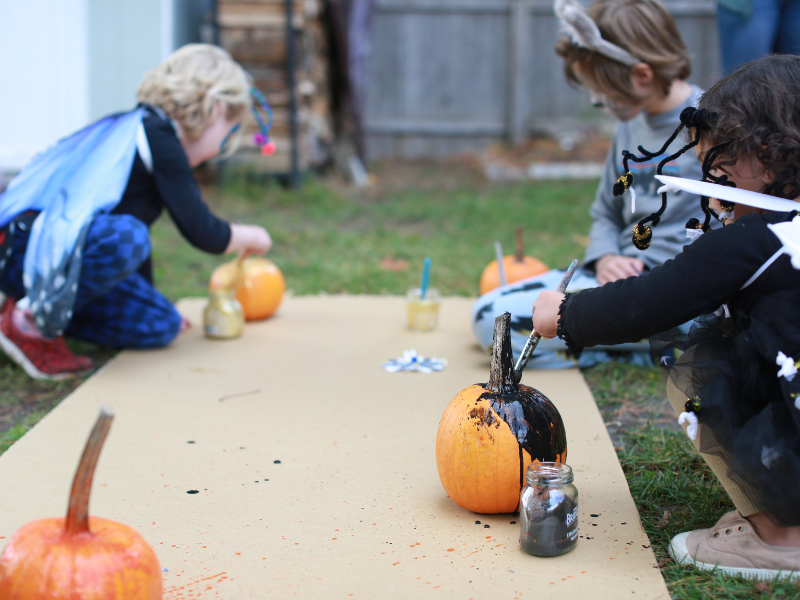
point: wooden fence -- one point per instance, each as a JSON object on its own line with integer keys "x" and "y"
{"x": 451, "y": 76}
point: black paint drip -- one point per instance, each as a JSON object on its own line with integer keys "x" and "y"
{"x": 529, "y": 414}
{"x": 533, "y": 420}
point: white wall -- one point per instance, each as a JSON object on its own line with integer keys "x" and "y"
{"x": 126, "y": 39}
{"x": 43, "y": 75}
{"x": 66, "y": 63}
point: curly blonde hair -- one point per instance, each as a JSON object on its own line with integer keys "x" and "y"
{"x": 194, "y": 79}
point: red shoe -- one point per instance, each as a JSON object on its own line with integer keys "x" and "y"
{"x": 41, "y": 358}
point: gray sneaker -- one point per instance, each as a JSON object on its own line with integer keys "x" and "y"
{"x": 733, "y": 547}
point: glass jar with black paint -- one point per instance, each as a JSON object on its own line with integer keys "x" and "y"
{"x": 548, "y": 510}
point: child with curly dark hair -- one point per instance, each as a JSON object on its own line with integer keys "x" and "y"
{"x": 735, "y": 382}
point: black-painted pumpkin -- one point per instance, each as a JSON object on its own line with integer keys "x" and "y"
{"x": 491, "y": 432}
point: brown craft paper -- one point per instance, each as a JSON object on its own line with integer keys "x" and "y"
{"x": 354, "y": 509}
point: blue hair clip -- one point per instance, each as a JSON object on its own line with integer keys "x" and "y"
{"x": 265, "y": 121}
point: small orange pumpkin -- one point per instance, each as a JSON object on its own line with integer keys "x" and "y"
{"x": 80, "y": 556}
{"x": 516, "y": 266}
{"x": 491, "y": 432}
{"x": 259, "y": 285}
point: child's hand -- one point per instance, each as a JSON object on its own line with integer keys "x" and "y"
{"x": 252, "y": 239}
{"x": 612, "y": 267}
{"x": 545, "y": 313}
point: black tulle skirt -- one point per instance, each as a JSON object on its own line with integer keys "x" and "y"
{"x": 750, "y": 416}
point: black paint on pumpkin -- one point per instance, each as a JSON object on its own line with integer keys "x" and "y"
{"x": 534, "y": 421}
{"x": 532, "y": 418}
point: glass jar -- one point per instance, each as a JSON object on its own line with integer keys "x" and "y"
{"x": 223, "y": 318}
{"x": 548, "y": 510}
{"x": 423, "y": 314}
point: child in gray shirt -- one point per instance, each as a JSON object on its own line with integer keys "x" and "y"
{"x": 639, "y": 80}
{"x": 613, "y": 217}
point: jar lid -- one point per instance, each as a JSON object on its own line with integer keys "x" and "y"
{"x": 548, "y": 473}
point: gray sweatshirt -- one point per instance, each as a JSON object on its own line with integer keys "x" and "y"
{"x": 613, "y": 221}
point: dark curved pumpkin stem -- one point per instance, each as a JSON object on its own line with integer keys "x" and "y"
{"x": 501, "y": 375}
{"x": 78, "y": 509}
{"x": 520, "y": 244}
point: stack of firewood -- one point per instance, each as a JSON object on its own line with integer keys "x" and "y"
{"x": 255, "y": 33}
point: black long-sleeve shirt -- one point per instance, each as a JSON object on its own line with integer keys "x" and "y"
{"x": 171, "y": 185}
{"x": 708, "y": 273}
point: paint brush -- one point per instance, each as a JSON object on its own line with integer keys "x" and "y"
{"x": 534, "y": 338}
{"x": 426, "y": 274}
{"x": 501, "y": 268}
{"x": 239, "y": 276}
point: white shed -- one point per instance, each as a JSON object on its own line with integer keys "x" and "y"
{"x": 65, "y": 63}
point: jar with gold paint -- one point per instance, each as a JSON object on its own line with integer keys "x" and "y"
{"x": 223, "y": 318}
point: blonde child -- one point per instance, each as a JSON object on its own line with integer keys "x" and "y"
{"x": 735, "y": 383}
{"x": 630, "y": 56}
{"x": 74, "y": 238}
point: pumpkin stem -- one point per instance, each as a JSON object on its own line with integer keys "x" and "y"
{"x": 520, "y": 244}
{"x": 78, "y": 509}
{"x": 501, "y": 375}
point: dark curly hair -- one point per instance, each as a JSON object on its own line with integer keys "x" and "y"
{"x": 757, "y": 113}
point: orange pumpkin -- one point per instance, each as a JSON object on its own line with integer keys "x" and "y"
{"x": 259, "y": 285}
{"x": 516, "y": 266}
{"x": 80, "y": 556}
{"x": 491, "y": 432}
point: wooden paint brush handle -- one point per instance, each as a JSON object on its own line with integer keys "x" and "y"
{"x": 520, "y": 243}
{"x": 239, "y": 274}
{"x": 533, "y": 339}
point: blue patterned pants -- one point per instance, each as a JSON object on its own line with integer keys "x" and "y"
{"x": 115, "y": 306}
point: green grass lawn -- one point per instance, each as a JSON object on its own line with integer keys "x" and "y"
{"x": 673, "y": 488}
{"x": 334, "y": 240}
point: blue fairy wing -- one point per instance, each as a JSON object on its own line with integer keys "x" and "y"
{"x": 69, "y": 183}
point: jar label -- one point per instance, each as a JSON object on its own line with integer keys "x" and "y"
{"x": 572, "y": 517}
{"x": 219, "y": 324}
{"x": 548, "y": 521}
